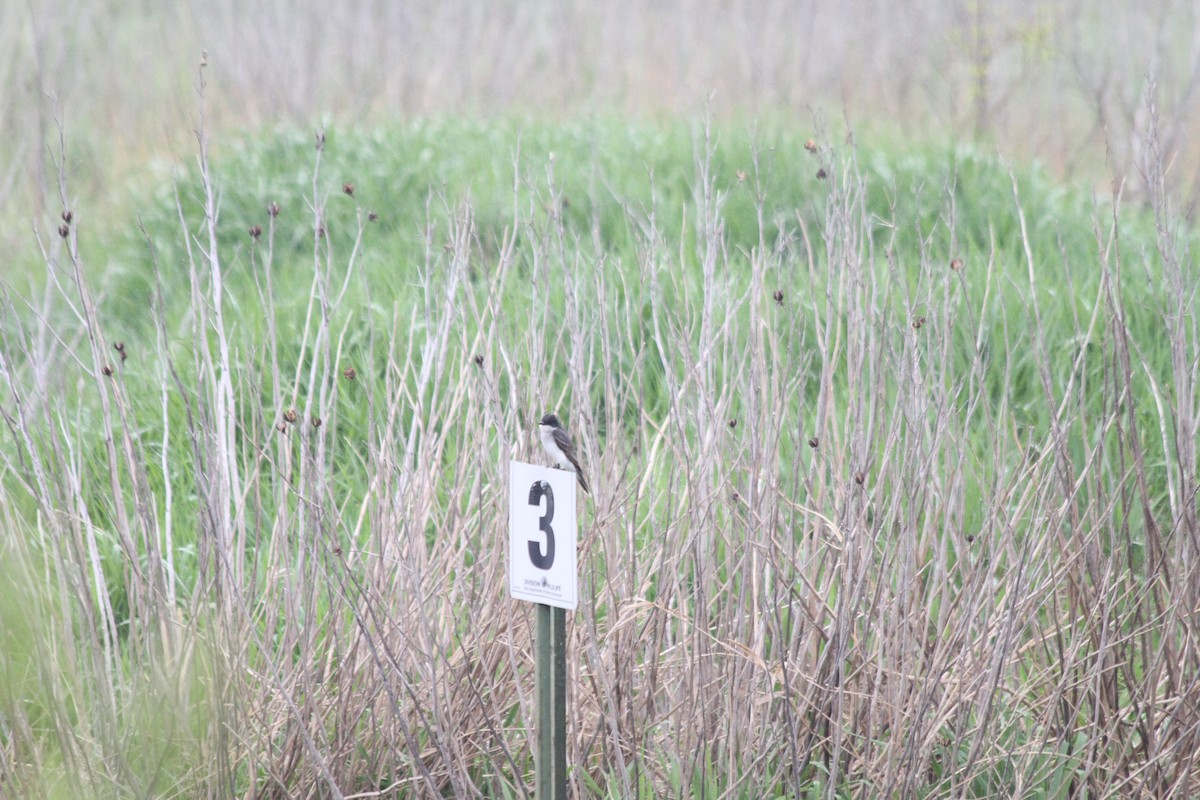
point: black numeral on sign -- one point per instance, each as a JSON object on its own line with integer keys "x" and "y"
{"x": 539, "y": 490}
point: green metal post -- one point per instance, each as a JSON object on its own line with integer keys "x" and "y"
{"x": 551, "y": 649}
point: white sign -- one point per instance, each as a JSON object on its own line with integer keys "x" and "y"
{"x": 542, "y": 535}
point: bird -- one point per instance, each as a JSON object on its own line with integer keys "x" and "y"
{"x": 559, "y": 447}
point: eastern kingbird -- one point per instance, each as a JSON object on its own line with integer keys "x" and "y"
{"x": 560, "y": 447}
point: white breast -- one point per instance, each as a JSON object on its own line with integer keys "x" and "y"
{"x": 546, "y": 433}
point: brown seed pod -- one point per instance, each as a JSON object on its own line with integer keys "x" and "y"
{"x": 479, "y": 360}
{"x": 320, "y": 140}
{"x": 349, "y": 373}
{"x": 67, "y": 216}
{"x": 810, "y": 146}
{"x": 64, "y": 231}
{"x": 337, "y": 550}
{"x": 372, "y": 217}
{"x": 814, "y": 442}
{"x": 273, "y": 210}
{"x": 255, "y": 231}
{"x": 290, "y": 415}
{"x": 778, "y": 296}
{"x": 348, "y": 189}
{"x": 970, "y": 538}
{"x": 956, "y": 264}
{"x": 316, "y": 421}
{"x": 733, "y": 423}
{"x": 822, "y": 174}
{"x": 859, "y": 478}
{"x": 107, "y": 370}
{"x": 281, "y": 427}
{"x": 741, "y": 176}
{"x": 120, "y": 348}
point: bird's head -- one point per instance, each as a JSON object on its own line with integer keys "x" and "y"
{"x": 550, "y": 421}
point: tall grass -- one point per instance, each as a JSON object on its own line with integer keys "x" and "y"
{"x": 894, "y": 474}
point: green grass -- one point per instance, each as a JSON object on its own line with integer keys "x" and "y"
{"x": 983, "y": 557}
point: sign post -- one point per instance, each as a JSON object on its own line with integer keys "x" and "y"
{"x": 552, "y": 702}
{"x": 542, "y": 537}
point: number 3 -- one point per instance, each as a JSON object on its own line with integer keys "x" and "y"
{"x": 539, "y": 490}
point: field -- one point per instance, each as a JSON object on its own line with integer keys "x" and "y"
{"x": 893, "y": 448}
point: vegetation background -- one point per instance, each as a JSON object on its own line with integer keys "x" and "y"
{"x": 877, "y": 326}
{"x": 1063, "y": 81}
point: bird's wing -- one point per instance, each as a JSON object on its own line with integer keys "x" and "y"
{"x": 568, "y": 448}
{"x": 565, "y": 444}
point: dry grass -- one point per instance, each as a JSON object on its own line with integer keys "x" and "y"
{"x": 868, "y": 519}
